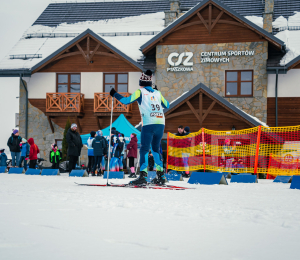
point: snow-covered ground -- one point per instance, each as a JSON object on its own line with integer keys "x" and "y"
{"x": 52, "y": 218}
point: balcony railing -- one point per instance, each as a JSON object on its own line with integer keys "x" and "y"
{"x": 102, "y": 103}
{"x": 64, "y": 102}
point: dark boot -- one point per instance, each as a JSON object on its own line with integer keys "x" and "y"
{"x": 160, "y": 179}
{"x": 99, "y": 173}
{"x": 93, "y": 174}
{"x": 141, "y": 180}
{"x": 132, "y": 175}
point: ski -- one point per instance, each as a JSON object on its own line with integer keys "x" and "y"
{"x": 148, "y": 186}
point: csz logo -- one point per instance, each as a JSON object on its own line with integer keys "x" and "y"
{"x": 184, "y": 59}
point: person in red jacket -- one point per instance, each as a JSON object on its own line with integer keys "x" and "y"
{"x": 132, "y": 148}
{"x": 34, "y": 150}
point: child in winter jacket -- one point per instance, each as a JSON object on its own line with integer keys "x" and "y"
{"x": 24, "y": 153}
{"x": 54, "y": 156}
{"x": 3, "y": 157}
{"x": 34, "y": 150}
{"x": 91, "y": 151}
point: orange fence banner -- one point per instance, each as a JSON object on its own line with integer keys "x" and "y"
{"x": 240, "y": 151}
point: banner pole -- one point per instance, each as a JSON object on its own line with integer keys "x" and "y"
{"x": 203, "y": 147}
{"x": 257, "y": 151}
{"x": 269, "y": 165}
{"x": 167, "y": 166}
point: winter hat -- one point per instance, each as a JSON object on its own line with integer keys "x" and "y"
{"x": 15, "y": 131}
{"x": 92, "y": 133}
{"x": 187, "y": 129}
{"x": 146, "y": 79}
{"x": 99, "y": 133}
{"x": 114, "y": 132}
{"x": 73, "y": 125}
{"x": 24, "y": 140}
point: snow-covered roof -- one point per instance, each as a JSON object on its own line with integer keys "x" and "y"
{"x": 46, "y": 46}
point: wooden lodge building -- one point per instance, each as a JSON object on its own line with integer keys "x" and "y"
{"x": 222, "y": 64}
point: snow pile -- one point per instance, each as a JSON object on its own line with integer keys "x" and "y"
{"x": 281, "y": 23}
{"x": 129, "y": 45}
{"x": 256, "y": 20}
{"x": 52, "y": 218}
{"x": 294, "y": 20}
{"x": 292, "y": 41}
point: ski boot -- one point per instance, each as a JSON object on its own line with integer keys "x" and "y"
{"x": 132, "y": 175}
{"x": 93, "y": 174}
{"x": 99, "y": 173}
{"x": 141, "y": 180}
{"x": 160, "y": 179}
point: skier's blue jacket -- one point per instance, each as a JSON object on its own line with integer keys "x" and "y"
{"x": 151, "y": 103}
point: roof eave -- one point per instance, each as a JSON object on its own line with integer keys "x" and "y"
{"x": 15, "y": 73}
{"x": 193, "y": 11}
{"x": 88, "y": 31}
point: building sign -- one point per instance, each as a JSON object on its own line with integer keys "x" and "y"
{"x": 222, "y": 56}
{"x": 175, "y": 60}
{"x": 182, "y": 62}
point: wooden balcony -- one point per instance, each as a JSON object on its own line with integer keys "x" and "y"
{"x": 64, "y": 104}
{"x": 102, "y": 105}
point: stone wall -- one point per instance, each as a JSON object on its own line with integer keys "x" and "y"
{"x": 39, "y": 129}
{"x": 174, "y": 84}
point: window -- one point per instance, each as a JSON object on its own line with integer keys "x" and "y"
{"x": 59, "y": 143}
{"x": 67, "y": 83}
{"x": 239, "y": 83}
{"x": 117, "y": 81}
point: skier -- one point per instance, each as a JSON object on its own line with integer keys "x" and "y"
{"x": 151, "y": 104}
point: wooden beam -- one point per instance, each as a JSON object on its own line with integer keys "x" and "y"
{"x": 78, "y": 124}
{"x": 50, "y": 123}
{"x": 203, "y": 21}
{"x": 208, "y": 110}
{"x": 200, "y": 108}
{"x": 193, "y": 110}
{"x": 212, "y": 112}
{"x": 95, "y": 50}
{"x": 82, "y": 52}
{"x": 213, "y": 20}
{"x": 209, "y": 18}
{"x": 217, "y": 19}
{"x": 98, "y": 122}
{"x": 88, "y": 50}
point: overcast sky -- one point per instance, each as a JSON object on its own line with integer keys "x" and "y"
{"x": 16, "y": 16}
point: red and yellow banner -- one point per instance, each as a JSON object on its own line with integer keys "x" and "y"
{"x": 243, "y": 151}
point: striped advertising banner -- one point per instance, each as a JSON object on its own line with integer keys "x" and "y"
{"x": 239, "y": 151}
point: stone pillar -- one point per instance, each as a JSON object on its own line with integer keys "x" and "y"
{"x": 268, "y": 15}
{"x": 173, "y": 13}
{"x": 22, "y": 108}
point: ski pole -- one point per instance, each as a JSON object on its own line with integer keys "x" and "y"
{"x": 109, "y": 139}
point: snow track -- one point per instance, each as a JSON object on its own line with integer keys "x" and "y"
{"x": 53, "y": 218}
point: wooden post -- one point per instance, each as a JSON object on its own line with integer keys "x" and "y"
{"x": 201, "y": 108}
{"x": 257, "y": 150}
{"x": 269, "y": 165}
{"x": 203, "y": 147}
{"x": 167, "y": 166}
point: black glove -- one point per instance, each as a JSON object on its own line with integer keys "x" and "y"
{"x": 112, "y": 92}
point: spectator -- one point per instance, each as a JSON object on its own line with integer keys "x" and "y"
{"x": 3, "y": 158}
{"x": 100, "y": 149}
{"x": 91, "y": 151}
{"x": 54, "y": 156}
{"x": 14, "y": 146}
{"x": 24, "y": 153}
{"x": 132, "y": 154}
{"x": 229, "y": 153}
{"x": 34, "y": 150}
{"x": 180, "y": 131}
{"x": 75, "y": 145}
{"x": 186, "y": 130}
